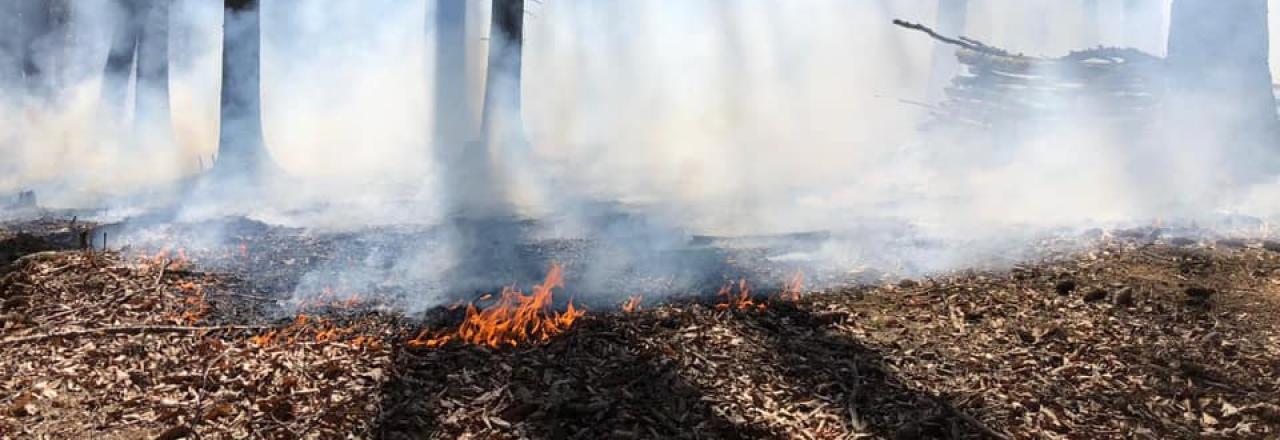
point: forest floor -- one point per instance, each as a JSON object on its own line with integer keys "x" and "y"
{"x": 1138, "y": 335}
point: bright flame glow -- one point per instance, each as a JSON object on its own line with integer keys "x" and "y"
{"x": 632, "y": 304}
{"x": 515, "y": 319}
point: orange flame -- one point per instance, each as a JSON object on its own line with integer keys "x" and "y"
{"x": 792, "y": 288}
{"x": 740, "y": 301}
{"x": 299, "y": 323}
{"x": 632, "y": 304}
{"x": 195, "y": 304}
{"x": 516, "y": 318}
{"x": 163, "y": 259}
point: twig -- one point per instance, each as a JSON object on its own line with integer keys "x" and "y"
{"x": 129, "y": 330}
{"x": 338, "y": 410}
{"x": 197, "y": 414}
{"x": 245, "y": 296}
{"x": 971, "y": 419}
{"x": 967, "y": 43}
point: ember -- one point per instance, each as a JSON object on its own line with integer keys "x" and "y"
{"x": 515, "y": 319}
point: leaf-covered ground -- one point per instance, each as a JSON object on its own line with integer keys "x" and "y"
{"x": 1136, "y": 336}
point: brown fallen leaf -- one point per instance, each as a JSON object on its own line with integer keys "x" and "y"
{"x": 23, "y": 406}
{"x": 175, "y": 433}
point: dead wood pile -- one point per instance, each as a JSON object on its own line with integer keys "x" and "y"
{"x": 999, "y": 90}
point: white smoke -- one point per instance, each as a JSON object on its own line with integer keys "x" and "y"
{"x": 728, "y": 117}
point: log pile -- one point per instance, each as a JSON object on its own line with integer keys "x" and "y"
{"x": 999, "y": 91}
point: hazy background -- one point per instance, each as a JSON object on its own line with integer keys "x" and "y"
{"x": 728, "y": 117}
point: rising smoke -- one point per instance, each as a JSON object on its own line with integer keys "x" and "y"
{"x": 715, "y": 117}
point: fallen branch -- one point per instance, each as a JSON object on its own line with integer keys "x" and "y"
{"x": 971, "y": 420}
{"x": 129, "y": 330}
{"x": 967, "y": 43}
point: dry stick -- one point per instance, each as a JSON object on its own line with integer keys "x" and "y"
{"x": 970, "y": 419}
{"x": 133, "y": 329}
{"x": 155, "y": 287}
{"x": 117, "y": 301}
{"x": 341, "y": 411}
{"x": 197, "y": 415}
{"x": 967, "y": 43}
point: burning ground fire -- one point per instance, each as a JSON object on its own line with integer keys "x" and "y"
{"x": 306, "y": 328}
{"x": 742, "y": 300}
{"x": 632, "y": 304}
{"x": 515, "y": 319}
{"x": 518, "y": 319}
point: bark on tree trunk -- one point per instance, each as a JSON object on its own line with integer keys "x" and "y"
{"x": 241, "y": 150}
{"x": 10, "y": 58}
{"x": 28, "y": 47}
{"x": 1220, "y": 79}
{"x": 1092, "y": 23}
{"x": 120, "y": 60}
{"x": 37, "y": 25}
{"x": 1144, "y": 25}
{"x": 453, "y": 114}
{"x": 952, "y": 17}
{"x": 502, "y": 81}
{"x": 151, "y": 106}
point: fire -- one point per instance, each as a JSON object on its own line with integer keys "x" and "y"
{"x": 299, "y": 323}
{"x": 328, "y": 298}
{"x": 331, "y": 334}
{"x": 632, "y": 304}
{"x": 515, "y": 319}
{"x": 162, "y": 258}
{"x": 739, "y": 301}
{"x": 792, "y": 288}
{"x": 195, "y": 304}
{"x": 352, "y": 300}
{"x": 320, "y": 330}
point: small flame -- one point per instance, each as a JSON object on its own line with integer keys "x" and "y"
{"x": 195, "y": 304}
{"x": 163, "y": 259}
{"x": 739, "y": 301}
{"x": 516, "y": 318}
{"x": 793, "y": 287}
{"x": 352, "y": 300}
{"x": 272, "y": 337}
{"x": 632, "y": 304}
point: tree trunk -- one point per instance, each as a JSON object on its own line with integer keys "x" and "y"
{"x": 10, "y": 55}
{"x": 1144, "y": 25}
{"x": 502, "y": 81}
{"x": 952, "y": 17}
{"x": 453, "y": 114}
{"x": 120, "y": 60}
{"x": 241, "y": 150}
{"x": 151, "y": 111}
{"x": 37, "y": 25}
{"x": 1092, "y": 16}
{"x": 32, "y": 46}
{"x": 1220, "y": 81}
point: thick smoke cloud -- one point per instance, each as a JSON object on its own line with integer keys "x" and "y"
{"x": 736, "y": 118}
